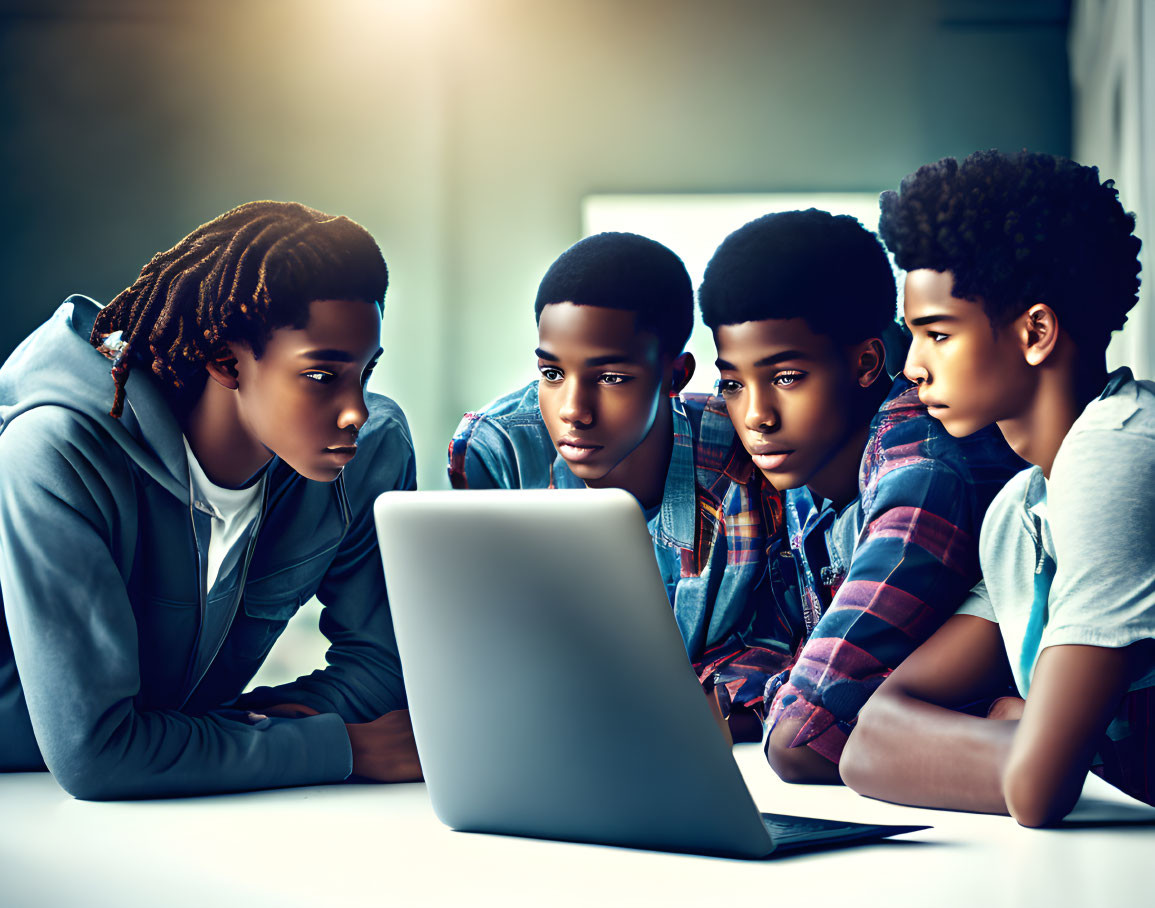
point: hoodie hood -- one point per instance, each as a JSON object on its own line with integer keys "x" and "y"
{"x": 56, "y": 366}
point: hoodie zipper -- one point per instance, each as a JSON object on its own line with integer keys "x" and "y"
{"x": 228, "y": 625}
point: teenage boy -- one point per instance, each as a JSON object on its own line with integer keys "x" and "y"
{"x": 614, "y": 313}
{"x": 159, "y": 527}
{"x": 1020, "y": 267}
{"x": 882, "y": 505}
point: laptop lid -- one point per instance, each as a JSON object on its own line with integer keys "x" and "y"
{"x": 548, "y": 685}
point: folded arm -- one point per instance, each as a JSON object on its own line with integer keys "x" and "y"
{"x": 912, "y": 746}
{"x": 909, "y": 573}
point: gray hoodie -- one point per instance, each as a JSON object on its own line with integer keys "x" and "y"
{"x": 116, "y": 670}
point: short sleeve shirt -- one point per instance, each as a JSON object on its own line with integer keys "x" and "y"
{"x": 1071, "y": 559}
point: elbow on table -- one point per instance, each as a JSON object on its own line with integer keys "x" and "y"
{"x": 91, "y": 782}
{"x": 796, "y": 765}
{"x": 1034, "y": 802}
{"x": 89, "y": 773}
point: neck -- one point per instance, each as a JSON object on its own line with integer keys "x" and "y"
{"x": 1062, "y": 391}
{"x": 643, "y": 472}
{"x": 837, "y": 480}
{"x": 226, "y": 452}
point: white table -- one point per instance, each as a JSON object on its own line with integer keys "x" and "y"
{"x": 381, "y": 845}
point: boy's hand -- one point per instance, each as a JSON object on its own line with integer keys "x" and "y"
{"x": 1007, "y": 708}
{"x": 383, "y": 750}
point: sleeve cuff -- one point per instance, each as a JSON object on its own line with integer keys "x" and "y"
{"x": 323, "y": 749}
{"x": 819, "y": 729}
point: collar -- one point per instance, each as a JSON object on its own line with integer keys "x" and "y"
{"x": 677, "y": 515}
{"x": 1116, "y": 380}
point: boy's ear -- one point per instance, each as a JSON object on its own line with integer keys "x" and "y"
{"x": 869, "y": 361}
{"x": 1038, "y": 332}
{"x": 224, "y": 372}
{"x": 683, "y": 371}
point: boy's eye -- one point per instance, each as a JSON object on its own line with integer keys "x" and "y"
{"x": 550, "y": 374}
{"x": 727, "y": 386}
{"x": 936, "y": 336}
{"x": 318, "y": 375}
{"x": 614, "y": 378}
{"x": 786, "y": 379}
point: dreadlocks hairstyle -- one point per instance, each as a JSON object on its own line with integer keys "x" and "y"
{"x": 235, "y": 279}
{"x": 1015, "y": 230}
{"x": 824, "y": 268}
{"x": 625, "y": 271}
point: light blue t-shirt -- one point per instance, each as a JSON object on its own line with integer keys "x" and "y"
{"x": 1071, "y": 559}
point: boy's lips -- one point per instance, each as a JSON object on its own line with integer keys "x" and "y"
{"x": 576, "y": 450}
{"x": 343, "y": 452}
{"x": 769, "y": 457}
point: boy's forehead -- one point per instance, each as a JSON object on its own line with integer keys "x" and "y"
{"x": 348, "y": 325}
{"x": 593, "y": 328}
{"x": 929, "y": 292}
{"x": 755, "y": 340}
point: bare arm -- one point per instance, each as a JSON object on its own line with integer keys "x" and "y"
{"x": 1074, "y": 692}
{"x": 912, "y": 747}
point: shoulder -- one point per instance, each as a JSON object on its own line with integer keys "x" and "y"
{"x": 386, "y": 426}
{"x": 57, "y": 452}
{"x": 505, "y": 444}
{"x": 53, "y": 432}
{"x": 519, "y": 407}
{"x": 718, "y": 453}
{"x": 906, "y": 441}
{"x": 1007, "y": 515}
{"x": 1126, "y": 407}
{"x": 1106, "y": 464}
{"x": 385, "y": 456}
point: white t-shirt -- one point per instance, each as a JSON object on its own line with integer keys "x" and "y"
{"x": 232, "y": 511}
{"x": 1071, "y": 559}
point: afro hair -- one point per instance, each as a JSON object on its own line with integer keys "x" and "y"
{"x": 629, "y": 272}
{"x": 1015, "y": 230}
{"x": 827, "y": 269}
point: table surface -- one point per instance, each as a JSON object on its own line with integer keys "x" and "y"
{"x": 381, "y": 845}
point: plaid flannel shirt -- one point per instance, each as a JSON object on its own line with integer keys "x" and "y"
{"x": 712, "y": 533}
{"x": 879, "y": 576}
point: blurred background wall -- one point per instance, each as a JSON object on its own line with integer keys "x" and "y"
{"x": 465, "y": 133}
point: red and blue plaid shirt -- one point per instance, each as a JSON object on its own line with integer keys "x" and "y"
{"x": 880, "y": 575}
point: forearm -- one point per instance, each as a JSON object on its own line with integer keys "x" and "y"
{"x": 909, "y": 751}
{"x": 167, "y": 754}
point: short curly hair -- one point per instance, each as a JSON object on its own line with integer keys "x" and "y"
{"x": 827, "y": 269}
{"x": 629, "y": 272}
{"x": 1020, "y": 229}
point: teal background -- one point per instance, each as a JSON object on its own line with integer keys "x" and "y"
{"x": 465, "y": 133}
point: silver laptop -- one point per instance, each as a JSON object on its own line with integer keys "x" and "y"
{"x": 548, "y": 685}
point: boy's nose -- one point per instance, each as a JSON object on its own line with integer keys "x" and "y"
{"x": 760, "y": 413}
{"x": 576, "y": 408}
{"x": 913, "y": 369}
{"x": 354, "y": 414}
